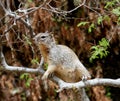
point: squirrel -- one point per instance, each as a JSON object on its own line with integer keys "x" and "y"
{"x": 61, "y": 60}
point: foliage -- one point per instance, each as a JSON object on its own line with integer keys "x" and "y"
{"x": 45, "y": 66}
{"x": 23, "y": 96}
{"x": 35, "y": 61}
{"x": 27, "y": 40}
{"x": 27, "y": 78}
{"x": 83, "y": 23}
{"x": 100, "y": 50}
{"x": 118, "y": 21}
{"x": 116, "y": 11}
{"x": 107, "y": 18}
{"x": 91, "y": 27}
{"x": 108, "y": 93}
{"x": 30, "y": 1}
{"x": 99, "y": 20}
{"x": 110, "y": 4}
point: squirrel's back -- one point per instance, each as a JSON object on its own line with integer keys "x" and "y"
{"x": 63, "y": 55}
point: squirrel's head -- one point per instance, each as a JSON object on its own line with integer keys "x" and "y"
{"x": 44, "y": 38}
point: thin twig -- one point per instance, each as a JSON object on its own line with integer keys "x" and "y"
{"x": 92, "y": 9}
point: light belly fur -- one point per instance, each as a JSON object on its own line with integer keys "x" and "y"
{"x": 67, "y": 75}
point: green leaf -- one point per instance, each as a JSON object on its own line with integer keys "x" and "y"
{"x": 116, "y": 11}
{"x": 118, "y": 21}
{"x": 94, "y": 48}
{"x": 45, "y": 66}
{"x": 27, "y": 84}
{"x": 27, "y": 78}
{"x": 106, "y": 53}
{"x": 109, "y": 4}
{"x": 35, "y": 61}
{"x": 24, "y": 75}
{"x": 91, "y": 27}
{"x": 99, "y": 51}
{"x": 99, "y": 20}
{"x": 27, "y": 40}
{"x": 30, "y": 79}
{"x": 104, "y": 42}
{"x": 82, "y": 23}
{"x": 106, "y": 17}
{"x": 30, "y": 1}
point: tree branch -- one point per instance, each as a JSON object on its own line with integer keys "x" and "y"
{"x": 90, "y": 83}
{"x": 61, "y": 83}
{"x": 16, "y": 68}
{"x": 15, "y": 16}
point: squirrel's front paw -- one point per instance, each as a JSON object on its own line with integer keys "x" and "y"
{"x": 45, "y": 82}
{"x": 47, "y": 75}
{"x": 44, "y": 77}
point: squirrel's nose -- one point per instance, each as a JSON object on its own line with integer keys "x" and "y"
{"x": 34, "y": 39}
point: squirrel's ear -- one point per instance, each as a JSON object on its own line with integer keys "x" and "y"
{"x": 52, "y": 35}
{"x": 53, "y": 38}
{"x": 34, "y": 38}
{"x": 46, "y": 32}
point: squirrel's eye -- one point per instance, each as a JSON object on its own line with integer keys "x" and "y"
{"x": 42, "y": 37}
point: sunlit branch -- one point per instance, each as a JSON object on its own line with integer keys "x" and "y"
{"x": 61, "y": 83}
